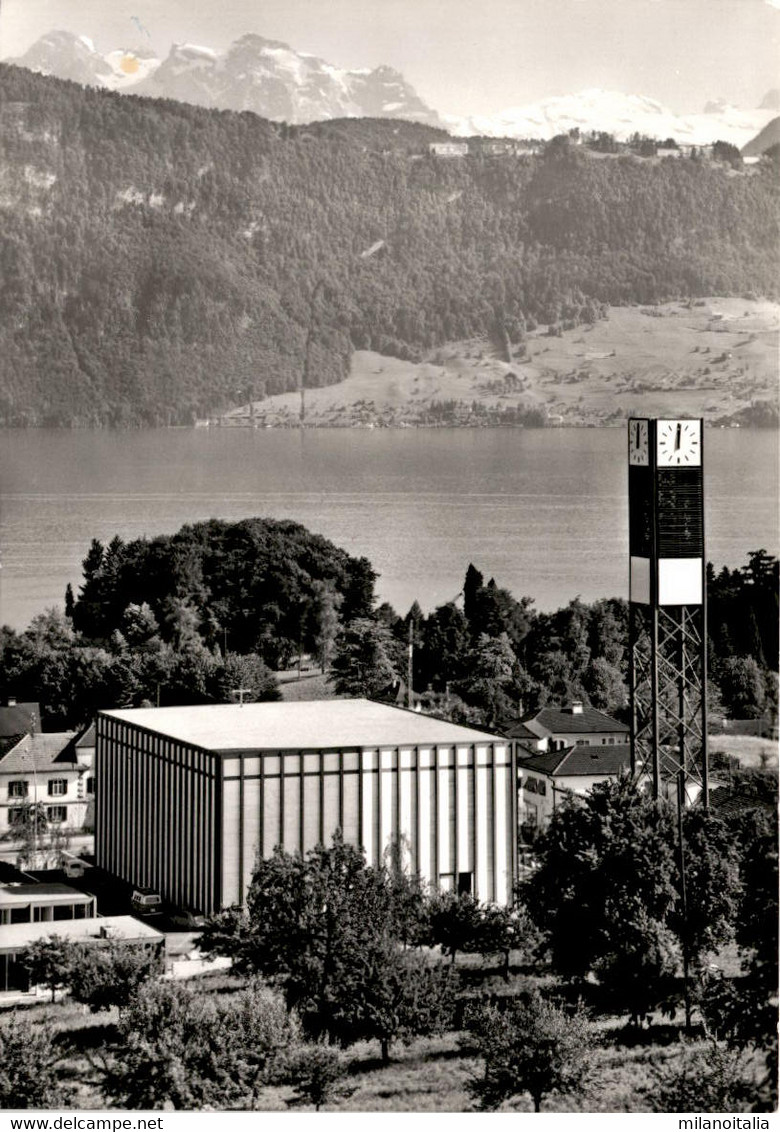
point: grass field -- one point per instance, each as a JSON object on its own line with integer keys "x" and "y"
{"x": 753, "y": 753}
{"x": 428, "y": 1075}
{"x": 708, "y": 359}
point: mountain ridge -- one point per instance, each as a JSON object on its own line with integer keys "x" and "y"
{"x": 265, "y": 76}
{"x": 273, "y": 80}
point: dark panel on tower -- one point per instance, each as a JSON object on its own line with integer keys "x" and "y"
{"x": 680, "y": 513}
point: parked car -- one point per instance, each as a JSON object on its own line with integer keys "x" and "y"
{"x": 146, "y": 902}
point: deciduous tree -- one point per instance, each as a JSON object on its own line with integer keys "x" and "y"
{"x": 532, "y": 1047}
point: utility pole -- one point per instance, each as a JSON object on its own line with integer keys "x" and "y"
{"x": 410, "y": 664}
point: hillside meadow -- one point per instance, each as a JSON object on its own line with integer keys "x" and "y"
{"x": 713, "y": 358}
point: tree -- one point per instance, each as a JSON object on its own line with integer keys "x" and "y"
{"x": 728, "y": 153}
{"x": 490, "y": 665}
{"x": 316, "y": 1073}
{"x": 29, "y": 1074}
{"x": 444, "y": 646}
{"x": 315, "y": 925}
{"x": 503, "y": 930}
{"x": 604, "y": 889}
{"x": 605, "y": 686}
{"x": 110, "y": 975}
{"x": 227, "y": 933}
{"x": 179, "y": 1049}
{"x": 743, "y": 1012}
{"x": 742, "y": 686}
{"x": 390, "y": 995}
{"x": 247, "y": 672}
{"x": 326, "y": 603}
{"x": 48, "y": 962}
{"x": 532, "y": 1047}
{"x": 711, "y": 1078}
{"x": 711, "y": 886}
{"x": 362, "y": 664}
{"x": 455, "y": 923}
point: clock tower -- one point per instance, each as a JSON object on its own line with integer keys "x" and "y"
{"x": 667, "y": 603}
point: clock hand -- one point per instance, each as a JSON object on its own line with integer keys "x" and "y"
{"x": 677, "y": 438}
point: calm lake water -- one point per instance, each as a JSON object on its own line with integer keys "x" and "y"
{"x": 544, "y": 512}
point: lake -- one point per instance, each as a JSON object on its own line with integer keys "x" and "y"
{"x": 543, "y": 511}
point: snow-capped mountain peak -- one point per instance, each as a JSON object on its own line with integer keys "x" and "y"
{"x": 272, "y": 79}
{"x": 263, "y": 75}
{"x": 618, "y": 114}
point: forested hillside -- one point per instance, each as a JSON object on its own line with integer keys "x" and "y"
{"x": 159, "y": 261}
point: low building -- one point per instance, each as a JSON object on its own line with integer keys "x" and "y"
{"x": 546, "y": 779}
{"x": 448, "y": 149}
{"x": 577, "y": 724}
{"x": 44, "y": 904}
{"x": 189, "y": 796}
{"x": 15, "y": 938}
{"x": 49, "y": 770}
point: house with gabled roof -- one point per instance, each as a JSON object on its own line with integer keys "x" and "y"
{"x": 548, "y": 778}
{"x": 49, "y": 769}
{"x": 575, "y": 725}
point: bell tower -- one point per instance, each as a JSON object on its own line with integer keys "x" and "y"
{"x": 667, "y": 604}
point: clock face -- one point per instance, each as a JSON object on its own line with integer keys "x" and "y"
{"x": 678, "y": 444}
{"x": 638, "y": 448}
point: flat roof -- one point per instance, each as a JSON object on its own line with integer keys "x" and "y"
{"x": 14, "y": 937}
{"x": 302, "y": 725}
{"x": 42, "y": 894}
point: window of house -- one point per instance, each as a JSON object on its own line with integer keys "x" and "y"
{"x": 465, "y": 883}
{"x": 16, "y": 816}
{"x": 58, "y": 786}
{"x": 90, "y": 786}
{"x": 530, "y": 785}
{"x": 57, "y": 813}
{"x": 582, "y": 743}
{"x": 541, "y": 786}
{"x": 17, "y": 788}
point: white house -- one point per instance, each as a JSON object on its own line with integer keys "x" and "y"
{"x": 51, "y": 770}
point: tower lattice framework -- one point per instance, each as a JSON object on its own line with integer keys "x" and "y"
{"x": 668, "y": 694}
{"x": 668, "y": 606}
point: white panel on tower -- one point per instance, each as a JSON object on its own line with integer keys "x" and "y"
{"x": 679, "y": 581}
{"x": 640, "y": 580}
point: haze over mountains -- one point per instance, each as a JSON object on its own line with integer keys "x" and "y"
{"x": 279, "y": 83}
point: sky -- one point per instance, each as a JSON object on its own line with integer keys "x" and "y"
{"x": 464, "y": 56}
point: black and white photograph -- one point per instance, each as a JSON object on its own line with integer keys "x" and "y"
{"x": 389, "y": 535}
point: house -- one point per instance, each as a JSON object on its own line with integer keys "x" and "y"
{"x": 14, "y": 938}
{"x": 577, "y": 724}
{"x": 187, "y": 797}
{"x": 48, "y": 769}
{"x": 448, "y": 149}
{"x": 547, "y": 778}
{"x": 18, "y": 719}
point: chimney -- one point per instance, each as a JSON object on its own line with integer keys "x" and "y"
{"x": 576, "y": 707}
